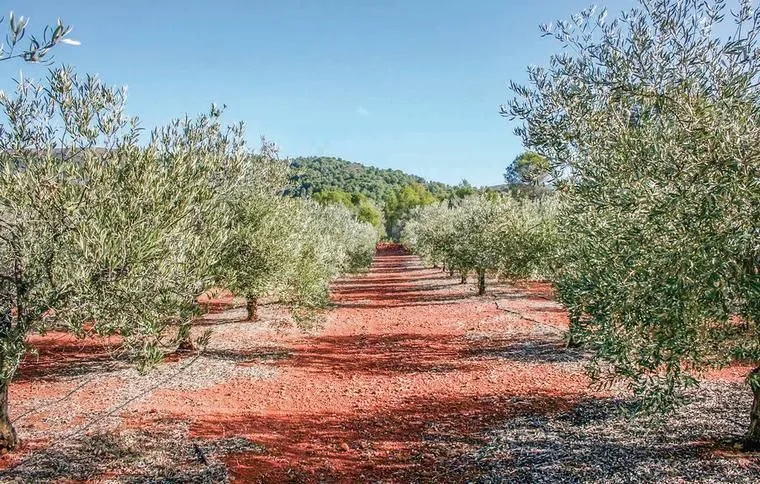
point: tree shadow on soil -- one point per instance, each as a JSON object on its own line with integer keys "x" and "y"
{"x": 405, "y": 271}
{"x": 596, "y": 441}
{"x": 66, "y": 358}
{"x": 347, "y": 292}
{"x": 487, "y": 438}
{"x": 532, "y": 350}
{"x": 380, "y": 355}
{"x": 392, "y": 283}
{"x": 519, "y": 294}
{"x": 392, "y": 293}
{"x": 134, "y": 455}
{"x": 274, "y": 353}
{"x": 396, "y": 300}
{"x": 404, "y": 353}
{"x": 384, "y": 281}
{"x": 410, "y": 442}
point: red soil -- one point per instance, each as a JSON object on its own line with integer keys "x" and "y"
{"x": 409, "y": 368}
{"x": 395, "y": 364}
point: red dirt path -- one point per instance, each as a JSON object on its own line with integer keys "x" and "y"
{"x": 396, "y": 378}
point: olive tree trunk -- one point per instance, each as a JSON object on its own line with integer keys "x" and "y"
{"x": 752, "y": 439}
{"x": 573, "y": 341}
{"x": 183, "y": 336}
{"x": 481, "y": 282}
{"x": 251, "y": 307}
{"x": 8, "y": 439}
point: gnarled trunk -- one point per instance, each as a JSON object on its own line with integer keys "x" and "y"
{"x": 481, "y": 282}
{"x": 752, "y": 439}
{"x": 251, "y": 307}
{"x": 463, "y": 279}
{"x": 573, "y": 339}
{"x": 183, "y": 336}
{"x": 8, "y": 439}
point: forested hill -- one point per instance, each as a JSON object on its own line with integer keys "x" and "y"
{"x": 319, "y": 174}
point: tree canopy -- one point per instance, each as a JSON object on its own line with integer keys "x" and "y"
{"x": 529, "y": 168}
{"x": 102, "y": 232}
{"x": 652, "y": 119}
{"x": 486, "y": 233}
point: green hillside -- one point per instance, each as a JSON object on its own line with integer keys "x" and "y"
{"x": 383, "y": 197}
{"x": 319, "y": 174}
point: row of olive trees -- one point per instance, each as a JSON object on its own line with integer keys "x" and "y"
{"x": 291, "y": 247}
{"x": 102, "y": 233}
{"x": 486, "y": 234}
{"x": 651, "y": 121}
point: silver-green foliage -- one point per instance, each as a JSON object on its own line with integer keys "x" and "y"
{"x": 288, "y": 248}
{"x": 526, "y": 238}
{"x": 102, "y": 234}
{"x": 37, "y": 49}
{"x": 514, "y": 238}
{"x": 97, "y": 231}
{"x": 331, "y": 242}
{"x": 262, "y": 230}
{"x": 652, "y": 119}
{"x": 429, "y": 232}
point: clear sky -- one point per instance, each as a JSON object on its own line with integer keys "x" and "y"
{"x": 408, "y": 84}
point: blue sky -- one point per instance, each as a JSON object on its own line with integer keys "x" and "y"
{"x": 414, "y": 85}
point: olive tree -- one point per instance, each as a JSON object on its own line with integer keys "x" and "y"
{"x": 288, "y": 248}
{"x": 331, "y": 242}
{"x": 475, "y": 246}
{"x": 99, "y": 233}
{"x": 260, "y": 243}
{"x": 526, "y": 238}
{"x": 429, "y": 232}
{"x": 651, "y": 122}
{"x": 353, "y": 239}
{"x": 515, "y": 239}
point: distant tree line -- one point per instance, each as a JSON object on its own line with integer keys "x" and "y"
{"x": 386, "y": 198}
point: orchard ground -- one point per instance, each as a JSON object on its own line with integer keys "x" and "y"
{"x": 410, "y": 377}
